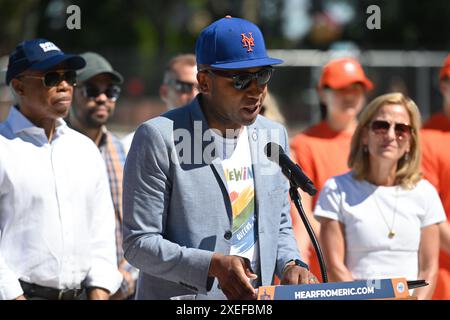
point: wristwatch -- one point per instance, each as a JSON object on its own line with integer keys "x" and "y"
{"x": 295, "y": 262}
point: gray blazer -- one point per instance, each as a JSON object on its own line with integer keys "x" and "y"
{"x": 177, "y": 211}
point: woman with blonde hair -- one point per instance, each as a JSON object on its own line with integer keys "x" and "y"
{"x": 380, "y": 220}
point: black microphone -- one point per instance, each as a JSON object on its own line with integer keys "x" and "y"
{"x": 291, "y": 170}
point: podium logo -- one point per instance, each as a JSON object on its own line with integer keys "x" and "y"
{"x": 400, "y": 287}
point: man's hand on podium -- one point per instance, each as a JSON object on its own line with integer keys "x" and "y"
{"x": 294, "y": 274}
{"x": 234, "y": 274}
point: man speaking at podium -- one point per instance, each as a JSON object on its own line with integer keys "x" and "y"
{"x": 203, "y": 214}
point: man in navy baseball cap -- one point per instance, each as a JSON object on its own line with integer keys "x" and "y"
{"x": 56, "y": 181}
{"x": 41, "y": 55}
{"x": 226, "y": 242}
{"x": 42, "y": 78}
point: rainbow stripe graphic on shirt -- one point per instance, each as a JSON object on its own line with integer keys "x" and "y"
{"x": 243, "y": 206}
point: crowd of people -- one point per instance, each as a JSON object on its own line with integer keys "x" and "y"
{"x": 189, "y": 204}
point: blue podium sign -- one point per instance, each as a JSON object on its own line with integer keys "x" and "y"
{"x": 354, "y": 290}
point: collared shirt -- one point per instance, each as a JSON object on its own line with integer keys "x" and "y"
{"x": 56, "y": 213}
{"x": 113, "y": 154}
{"x": 114, "y": 157}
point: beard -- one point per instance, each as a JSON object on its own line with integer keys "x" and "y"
{"x": 94, "y": 121}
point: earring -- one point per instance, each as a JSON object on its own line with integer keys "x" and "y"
{"x": 365, "y": 148}
{"x": 406, "y": 156}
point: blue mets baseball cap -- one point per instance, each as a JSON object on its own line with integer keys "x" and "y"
{"x": 39, "y": 54}
{"x": 232, "y": 43}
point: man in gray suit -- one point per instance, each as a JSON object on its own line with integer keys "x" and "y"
{"x": 205, "y": 212}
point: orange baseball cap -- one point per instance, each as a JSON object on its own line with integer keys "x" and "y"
{"x": 445, "y": 70}
{"x": 343, "y": 72}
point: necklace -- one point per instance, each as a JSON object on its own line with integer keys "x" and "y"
{"x": 391, "y": 233}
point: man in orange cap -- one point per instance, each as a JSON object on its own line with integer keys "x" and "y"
{"x": 322, "y": 150}
{"x": 436, "y": 168}
{"x": 441, "y": 120}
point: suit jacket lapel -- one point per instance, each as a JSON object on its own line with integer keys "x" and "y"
{"x": 216, "y": 163}
{"x": 255, "y": 146}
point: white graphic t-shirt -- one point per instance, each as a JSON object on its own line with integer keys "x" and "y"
{"x": 237, "y": 165}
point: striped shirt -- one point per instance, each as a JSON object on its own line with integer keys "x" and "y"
{"x": 114, "y": 156}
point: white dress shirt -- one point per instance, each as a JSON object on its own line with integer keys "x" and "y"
{"x": 56, "y": 213}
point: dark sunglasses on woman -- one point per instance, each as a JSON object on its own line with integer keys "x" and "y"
{"x": 54, "y": 78}
{"x": 241, "y": 81}
{"x": 382, "y": 127}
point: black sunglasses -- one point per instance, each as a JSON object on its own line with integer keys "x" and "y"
{"x": 54, "y": 78}
{"x": 181, "y": 86}
{"x": 382, "y": 127}
{"x": 111, "y": 92}
{"x": 241, "y": 81}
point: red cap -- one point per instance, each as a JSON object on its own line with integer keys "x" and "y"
{"x": 445, "y": 70}
{"x": 340, "y": 73}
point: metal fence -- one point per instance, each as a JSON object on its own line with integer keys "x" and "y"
{"x": 415, "y": 73}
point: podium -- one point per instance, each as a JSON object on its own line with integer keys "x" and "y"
{"x": 396, "y": 288}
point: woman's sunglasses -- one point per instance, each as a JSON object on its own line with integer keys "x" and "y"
{"x": 241, "y": 81}
{"x": 382, "y": 127}
{"x": 54, "y": 78}
{"x": 92, "y": 92}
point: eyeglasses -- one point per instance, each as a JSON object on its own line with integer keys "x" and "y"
{"x": 241, "y": 81}
{"x": 181, "y": 86}
{"x": 382, "y": 127}
{"x": 111, "y": 92}
{"x": 54, "y": 78}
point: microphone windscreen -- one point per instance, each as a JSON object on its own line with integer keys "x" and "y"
{"x": 272, "y": 150}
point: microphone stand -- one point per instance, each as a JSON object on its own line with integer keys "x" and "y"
{"x": 295, "y": 196}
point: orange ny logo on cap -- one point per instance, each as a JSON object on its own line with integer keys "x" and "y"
{"x": 248, "y": 42}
